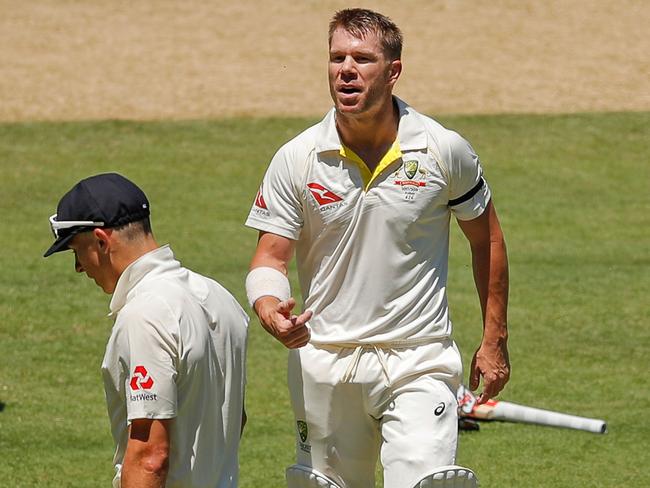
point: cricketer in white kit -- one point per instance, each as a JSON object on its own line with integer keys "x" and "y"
{"x": 174, "y": 366}
{"x": 373, "y": 369}
{"x": 177, "y": 351}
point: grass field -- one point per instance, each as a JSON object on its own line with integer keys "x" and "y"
{"x": 573, "y": 196}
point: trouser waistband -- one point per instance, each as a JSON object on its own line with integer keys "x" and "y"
{"x": 379, "y": 349}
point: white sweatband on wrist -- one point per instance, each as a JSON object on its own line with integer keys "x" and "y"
{"x": 266, "y": 281}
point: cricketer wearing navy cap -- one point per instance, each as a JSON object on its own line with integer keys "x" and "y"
{"x": 104, "y": 200}
{"x": 174, "y": 365}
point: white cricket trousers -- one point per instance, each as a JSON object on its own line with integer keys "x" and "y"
{"x": 353, "y": 404}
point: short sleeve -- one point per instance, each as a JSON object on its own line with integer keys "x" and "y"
{"x": 278, "y": 206}
{"x": 150, "y": 357}
{"x": 469, "y": 193}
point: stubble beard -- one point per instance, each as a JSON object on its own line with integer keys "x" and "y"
{"x": 370, "y": 102}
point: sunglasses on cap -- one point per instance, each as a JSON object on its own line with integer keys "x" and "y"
{"x": 57, "y": 225}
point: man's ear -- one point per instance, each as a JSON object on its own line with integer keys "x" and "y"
{"x": 395, "y": 70}
{"x": 103, "y": 238}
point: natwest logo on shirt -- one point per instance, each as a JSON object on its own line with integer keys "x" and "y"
{"x": 141, "y": 380}
{"x": 322, "y": 195}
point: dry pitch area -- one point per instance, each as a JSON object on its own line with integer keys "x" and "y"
{"x": 78, "y": 60}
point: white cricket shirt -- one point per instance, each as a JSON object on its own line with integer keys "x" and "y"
{"x": 372, "y": 249}
{"x": 177, "y": 351}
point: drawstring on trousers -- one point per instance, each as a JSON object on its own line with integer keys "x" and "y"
{"x": 351, "y": 370}
{"x": 379, "y": 349}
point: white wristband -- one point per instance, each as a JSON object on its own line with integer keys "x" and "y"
{"x": 266, "y": 281}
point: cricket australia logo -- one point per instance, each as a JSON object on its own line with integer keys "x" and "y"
{"x": 141, "y": 380}
{"x": 411, "y": 176}
{"x": 303, "y": 432}
{"x": 411, "y": 168}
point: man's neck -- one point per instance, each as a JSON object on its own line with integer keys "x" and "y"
{"x": 370, "y": 135}
{"x": 132, "y": 251}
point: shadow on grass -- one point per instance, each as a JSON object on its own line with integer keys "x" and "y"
{"x": 2, "y": 406}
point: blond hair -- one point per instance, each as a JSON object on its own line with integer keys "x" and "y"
{"x": 360, "y": 22}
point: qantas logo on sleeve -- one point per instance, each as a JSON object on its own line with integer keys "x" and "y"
{"x": 259, "y": 200}
{"x": 322, "y": 195}
{"x": 140, "y": 380}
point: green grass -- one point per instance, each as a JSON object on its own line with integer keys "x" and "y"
{"x": 572, "y": 194}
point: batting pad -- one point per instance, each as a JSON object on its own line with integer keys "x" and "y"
{"x": 299, "y": 476}
{"x": 449, "y": 477}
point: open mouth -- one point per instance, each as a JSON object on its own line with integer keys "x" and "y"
{"x": 349, "y": 90}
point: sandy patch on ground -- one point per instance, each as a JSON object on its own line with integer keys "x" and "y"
{"x": 77, "y": 60}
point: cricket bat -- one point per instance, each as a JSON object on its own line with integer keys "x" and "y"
{"x": 512, "y": 412}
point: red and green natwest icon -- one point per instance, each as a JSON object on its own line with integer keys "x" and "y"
{"x": 141, "y": 379}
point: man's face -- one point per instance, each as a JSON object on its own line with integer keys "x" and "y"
{"x": 90, "y": 258}
{"x": 360, "y": 74}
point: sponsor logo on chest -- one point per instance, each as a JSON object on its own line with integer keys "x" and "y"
{"x": 327, "y": 200}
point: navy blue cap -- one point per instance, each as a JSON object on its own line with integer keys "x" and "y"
{"x": 104, "y": 200}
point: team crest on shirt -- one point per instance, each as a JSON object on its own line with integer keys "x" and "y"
{"x": 411, "y": 168}
{"x": 303, "y": 432}
{"x": 411, "y": 176}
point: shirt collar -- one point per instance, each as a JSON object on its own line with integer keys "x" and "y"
{"x": 154, "y": 262}
{"x": 411, "y": 132}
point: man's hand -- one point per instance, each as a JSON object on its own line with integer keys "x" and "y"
{"x": 276, "y": 317}
{"x": 491, "y": 362}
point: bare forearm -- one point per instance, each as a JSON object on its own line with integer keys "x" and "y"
{"x": 490, "y": 264}
{"x": 146, "y": 460}
{"x": 271, "y": 296}
{"x": 138, "y": 475}
{"x": 273, "y": 251}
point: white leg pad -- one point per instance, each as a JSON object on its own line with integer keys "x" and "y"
{"x": 299, "y": 476}
{"x": 449, "y": 477}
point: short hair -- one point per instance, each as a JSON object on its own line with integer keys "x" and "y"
{"x": 359, "y": 22}
{"x": 135, "y": 230}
